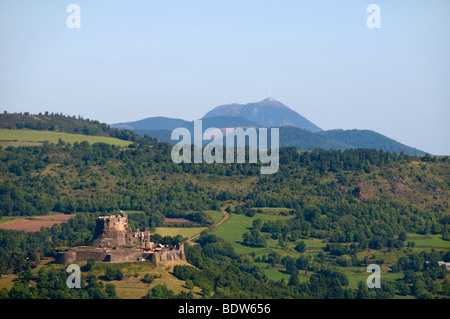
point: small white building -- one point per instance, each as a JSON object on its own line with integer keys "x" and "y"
{"x": 447, "y": 265}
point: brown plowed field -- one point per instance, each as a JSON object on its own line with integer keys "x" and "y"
{"x": 36, "y": 222}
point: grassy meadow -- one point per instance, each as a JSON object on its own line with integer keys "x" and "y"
{"x": 35, "y": 138}
{"x": 234, "y": 227}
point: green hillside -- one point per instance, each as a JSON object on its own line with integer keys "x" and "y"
{"x": 53, "y": 122}
{"x": 11, "y": 137}
{"x": 62, "y": 123}
{"x": 368, "y": 139}
{"x": 305, "y": 140}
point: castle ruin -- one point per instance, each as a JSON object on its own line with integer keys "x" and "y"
{"x": 115, "y": 242}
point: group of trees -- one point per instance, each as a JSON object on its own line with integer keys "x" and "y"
{"x": 352, "y": 221}
{"x": 125, "y": 176}
{"x": 220, "y": 270}
{"x": 422, "y": 275}
{"x": 50, "y": 283}
{"x": 20, "y": 249}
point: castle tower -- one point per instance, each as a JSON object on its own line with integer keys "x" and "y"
{"x": 112, "y": 231}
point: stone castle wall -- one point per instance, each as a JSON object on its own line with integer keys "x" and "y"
{"x": 68, "y": 257}
{"x": 169, "y": 254}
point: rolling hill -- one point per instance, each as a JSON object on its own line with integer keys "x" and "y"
{"x": 169, "y": 124}
{"x": 368, "y": 139}
{"x": 153, "y": 123}
{"x": 342, "y": 139}
{"x": 25, "y": 129}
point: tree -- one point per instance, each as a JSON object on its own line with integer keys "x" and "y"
{"x": 418, "y": 287}
{"x": 148, "y": 279}
{"x": 19, "y": 291}
{"x": 254, "y": 238}
{"x": 206, "y": 292}
{"x": 445, "y": 234}
{"x": 4, "y": 293}
{"x": 159, "y": 292}
{"x": 403, "y": 288}
{"x": 289, "y": 263}
{"x": 155, "y": 219}
{"x": 257, "y": 224}
{"x": 293, "y": 280}
{"x": 113, "y": 274}
{"x": 89, "y": 265}
{"x": 189, "y": 284}
{"x": 206, "y": 238}
{"x": 344, "y": 260}
{"x": 110, "y": 290}
{"x": 302, "y": 262}
{"x": 250, "y": 213}
{"x": 300, "y": 247}
{"x": 446, "y": 287}
{"x": 447, "y": 256}
{"x": 363, "y": 291}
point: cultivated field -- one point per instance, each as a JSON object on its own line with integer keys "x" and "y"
{"x": 33, "y": 224}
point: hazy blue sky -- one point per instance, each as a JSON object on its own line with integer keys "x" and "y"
{"x": 136, "y": 59}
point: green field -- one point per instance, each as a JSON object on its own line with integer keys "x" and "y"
{"x": 234, "y": 227}
{"x": 33, "y": 138}
{"x": 276, "y": 273}
{"x": 215, "y": 215}
{"x": 426, "y": 242}
{"x": 357, "y": 274}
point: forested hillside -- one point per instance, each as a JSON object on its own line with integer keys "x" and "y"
{"x": 354, "y": 202}
{"x": 62, "y": 123}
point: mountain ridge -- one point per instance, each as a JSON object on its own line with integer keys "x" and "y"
{"x": 295, "y": 130}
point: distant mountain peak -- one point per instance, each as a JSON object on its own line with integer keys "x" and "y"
{"x": 268, "y": 112}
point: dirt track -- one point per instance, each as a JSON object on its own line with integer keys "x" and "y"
{"x": 220, "y": 222}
